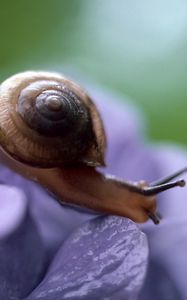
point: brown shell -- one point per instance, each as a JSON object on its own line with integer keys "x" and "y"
{"x": 29, "y": 145}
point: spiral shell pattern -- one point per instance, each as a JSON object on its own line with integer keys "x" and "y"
{"x": 52, "y": 109}
{"x": 47, "y": 120}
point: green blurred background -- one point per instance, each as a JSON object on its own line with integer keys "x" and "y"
{"x": 138, "y": 48}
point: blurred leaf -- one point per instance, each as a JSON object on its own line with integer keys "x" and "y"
{"x": 138, "y": 48}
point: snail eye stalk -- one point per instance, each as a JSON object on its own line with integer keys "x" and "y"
{"x": 170, "y": 177}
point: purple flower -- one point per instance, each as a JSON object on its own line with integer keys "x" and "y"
{"x": 54, "y": 252}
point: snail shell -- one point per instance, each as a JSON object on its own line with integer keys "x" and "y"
{"x": 47, "y": 120}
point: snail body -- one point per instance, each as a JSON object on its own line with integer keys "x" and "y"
{"x": 51, "y": 132}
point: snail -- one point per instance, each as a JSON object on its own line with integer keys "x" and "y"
{"x": 52, "y": 132}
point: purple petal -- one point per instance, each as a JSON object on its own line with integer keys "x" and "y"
{"x": 168, "y": 247}
{"x": 21, "y": 250}
{"x": 55, "y": 222}
{"x": 158, "y": 284}
{"x": 13, "y": 208}
{"x": 130, "y": 159}
{"x": 104, "y": 259}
